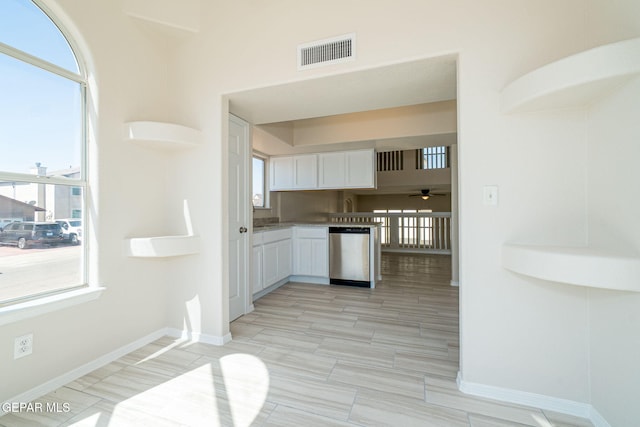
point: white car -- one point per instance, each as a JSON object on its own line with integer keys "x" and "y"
{"x": 71, "y": 230}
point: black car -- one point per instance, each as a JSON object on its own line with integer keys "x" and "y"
{"x": 24, "y": 234}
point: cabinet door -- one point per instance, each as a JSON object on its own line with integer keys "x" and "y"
{"x": 256, "y": 277}
{"x": 285, "y": 253}
{"x": 360, "y": 169}
{"x": 303, "y": 257}
{"x": 332, "y": 170}
{"x": 320, "y": 257}
{"x": 281, "y": 173}
{"x": 305, "y": 172}
{"x": 311, "y": 257}
{"x": 269, "y": 264}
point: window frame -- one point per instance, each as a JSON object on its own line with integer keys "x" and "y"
{"x": 425, "y": 157}
{"x": 265, "y": 180}
{"x": 37, "y": 304}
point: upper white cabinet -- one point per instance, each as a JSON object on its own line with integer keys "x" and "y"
{"x": 333, "y": 170}
{"x": 347, "y": 169}
{"x": 281, "y": 173}
{"x": 305, "y": 171}
{"x": 294, "y": 172}
{"x": 360, "y": 169}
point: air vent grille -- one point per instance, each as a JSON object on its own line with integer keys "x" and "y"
{"x": 325, "y": 52}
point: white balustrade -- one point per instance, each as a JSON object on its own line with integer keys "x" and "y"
{"x": 427, "y": 232}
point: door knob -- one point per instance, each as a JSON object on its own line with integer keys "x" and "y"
{"x": 243, "y": 229}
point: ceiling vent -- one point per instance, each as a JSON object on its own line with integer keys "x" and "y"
{"x": 327, "y": 51}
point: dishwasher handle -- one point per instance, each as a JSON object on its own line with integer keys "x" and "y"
{"x": 349, "y": 230}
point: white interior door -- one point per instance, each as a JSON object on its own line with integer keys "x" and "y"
{"x": 238, "y": 215}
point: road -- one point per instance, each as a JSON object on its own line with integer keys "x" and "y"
{"x": 29, "y": 271}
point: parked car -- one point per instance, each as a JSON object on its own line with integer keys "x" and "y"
{"x": 25, "y": 234}
{"x": 71, "y": 230}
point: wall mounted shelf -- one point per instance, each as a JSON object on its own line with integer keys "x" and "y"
{"x": 162, "y": 246}
{"x": 575, "y": 80}
{"x": 164, "y": 136}
{"x": 175, "y": 18}
{"x": 582, "y": 266}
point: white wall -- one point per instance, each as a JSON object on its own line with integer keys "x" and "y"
{"x": 614, "y": 209}
{"x": 516, "y": 333}
{"x": 513, "y": 329}
{"x": 128, "y": 82}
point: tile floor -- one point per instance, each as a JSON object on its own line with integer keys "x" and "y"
{"x": 309, "y": 355}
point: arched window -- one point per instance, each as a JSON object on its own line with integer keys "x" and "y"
{"x": 42, "y": 156}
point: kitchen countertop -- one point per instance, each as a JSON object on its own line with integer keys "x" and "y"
{"x": 313, "y": 224}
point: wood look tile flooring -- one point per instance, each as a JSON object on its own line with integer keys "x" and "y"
{"x": 309, "y": 355}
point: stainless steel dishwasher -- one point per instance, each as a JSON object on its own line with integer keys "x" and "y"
{"x": 349, "y": 256}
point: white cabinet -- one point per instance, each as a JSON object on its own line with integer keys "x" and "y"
{"x": 281, "y": 173}
{"x": 270, "y": 263}
{"x": 256, "y": 276}
{"x": 360, "y": 169}
{"x": 334, "y": 170}
{"x": 272, "y": 258}
{"x": 305, "y": 172}
{"x": 347, "y": 169}
{"x": 294, "y": 172}
{"x": 311, "y": 251}
{"x": 276, "y": 262}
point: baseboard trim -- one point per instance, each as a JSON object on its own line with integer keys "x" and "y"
{"x": 598, "y": 420}
{"x": 199, "y": 337}
{"x": 564, "y": 406}
{"x": 74, "y": 374}
{"x": 309, "y": 279}
{"x": 454, "y": 283}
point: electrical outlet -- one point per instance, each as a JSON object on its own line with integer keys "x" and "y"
{"x": 23, "y": 346}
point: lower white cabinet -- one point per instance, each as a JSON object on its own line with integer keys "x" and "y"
{"x": 276, "y": 261}
{"x": 272, "y": 257}
{"x": 311, "y": 251}
{"x": 299, "y": 252}
{"x": 256, "y": 275}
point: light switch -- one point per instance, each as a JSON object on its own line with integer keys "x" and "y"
{"x": 490, "y": 195}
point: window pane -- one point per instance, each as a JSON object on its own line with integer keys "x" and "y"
{"x": 258, "y": 182}
{"x": 24, "y": 26}
{"x": 434, "y": 158}
{"x": 40, "y": 119}
{"x": 45, "y": 253}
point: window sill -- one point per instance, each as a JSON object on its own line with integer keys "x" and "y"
{"x": 40, "y": 306}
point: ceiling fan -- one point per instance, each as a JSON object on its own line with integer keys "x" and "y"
{"x": 425, "y": 194}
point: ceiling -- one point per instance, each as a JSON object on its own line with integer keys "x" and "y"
{"x": 415, "y": 82}
{"x": 409, "y": 83}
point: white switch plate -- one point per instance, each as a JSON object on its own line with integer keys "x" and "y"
{"x": 490, "y": 195}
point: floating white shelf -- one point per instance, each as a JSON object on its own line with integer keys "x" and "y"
{"x": 167, "y": 136}
{"x": 575, "y": 80}
{"x": 169, "y": 16}
{"x": 162, "y": 246}
{"x": 582, "y": 266}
